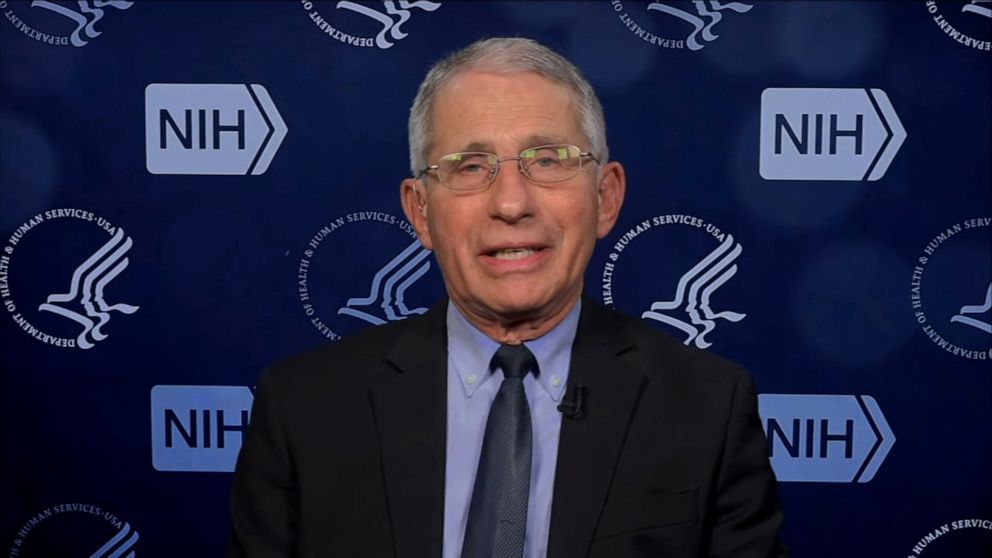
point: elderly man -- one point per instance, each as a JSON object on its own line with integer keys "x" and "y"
{"x": 514, "y": 418}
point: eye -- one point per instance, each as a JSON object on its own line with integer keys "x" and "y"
{"x": 545, "y": 161}
{"x": 472, "y": 164}
{"x": 470, "y": 168}
{"x": 544, "y": 157}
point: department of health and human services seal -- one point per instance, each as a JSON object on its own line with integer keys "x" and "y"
{"x": 374, "y": 24}
{"x": 74, "y": 529}
{"x": 58, "y": 290}
{"x": 688, "y": 25}
{"x": 951, "y": 289}
{"x": 969, "y": 22}
{"x": 686, "y": 304}
{"x": 57, "y": 22}
{"x": 962, "y": 537}
{"x": 364, "y": 268}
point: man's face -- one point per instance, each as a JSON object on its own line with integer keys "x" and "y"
{"x": 515, "y": 250}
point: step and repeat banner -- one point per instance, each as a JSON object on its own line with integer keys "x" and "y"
{"x": 192, "y": 190}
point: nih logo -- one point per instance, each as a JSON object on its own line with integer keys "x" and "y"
{"x": 824, "y": 438}
{"x": 198, "y": 428}
{"x": 210, "y": 128}
{"x": 827, "y": 134}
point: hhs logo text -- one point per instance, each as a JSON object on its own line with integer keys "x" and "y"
{"x": 210, "y": 128}
{"x": 827, "y": 134}
{"x": 198, "y": 428}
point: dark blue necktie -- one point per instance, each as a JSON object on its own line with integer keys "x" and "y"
{"x": 497, "y": 518}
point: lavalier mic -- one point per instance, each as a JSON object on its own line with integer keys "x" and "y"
{"x": 573, "y": 406}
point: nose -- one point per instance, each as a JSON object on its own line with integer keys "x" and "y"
{"x": 510, "y": 196}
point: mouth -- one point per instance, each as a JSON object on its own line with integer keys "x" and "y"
{"x": 515, "y": 258}
{"x": 513, "y": 253}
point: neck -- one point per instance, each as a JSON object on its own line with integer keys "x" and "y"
{"x": 517, "y": 329}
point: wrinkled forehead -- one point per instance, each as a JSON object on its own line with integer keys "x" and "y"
{"x": 475, "y": 109}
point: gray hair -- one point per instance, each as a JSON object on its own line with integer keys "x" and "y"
{"x": 505, "y": 56}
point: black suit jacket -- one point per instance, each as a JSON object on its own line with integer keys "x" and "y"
{"x": 345, "y": 455}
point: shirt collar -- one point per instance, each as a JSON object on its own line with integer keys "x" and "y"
{"x": 471, "y": 351}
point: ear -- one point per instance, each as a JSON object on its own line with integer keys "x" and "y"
{"x": 413, "y": 197}
{"x": 610, "y": 191}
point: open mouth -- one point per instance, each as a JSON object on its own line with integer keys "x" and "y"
{"x": 513, "y": 253}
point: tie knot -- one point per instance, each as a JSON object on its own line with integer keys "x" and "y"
{"x": 515, "y": 360}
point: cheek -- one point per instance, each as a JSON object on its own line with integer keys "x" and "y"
{"x": 450, "y": 234}
{"x": 580, "y": 220}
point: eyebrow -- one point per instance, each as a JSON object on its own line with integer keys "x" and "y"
{"x": 530, "y": 141}
{"x": 534, "y": 141}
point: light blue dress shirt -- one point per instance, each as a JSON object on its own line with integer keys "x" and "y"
{"x": 471, "y": 390}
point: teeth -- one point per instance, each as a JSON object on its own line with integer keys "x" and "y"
{"x": 513, "y": 253}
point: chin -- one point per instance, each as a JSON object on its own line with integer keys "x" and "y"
{"x": 520, "y": 304}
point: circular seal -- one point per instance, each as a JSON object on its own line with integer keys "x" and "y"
{"x": 951, "y": 289}
{"x": 372, "y": 26}
{"x": 64, "y": 276}
{"x": 364, "y": 268}
{"x": 74, "y": 530}
{"x": 677, "y": 25}
{"x": 962, "y": 537}
{"x": 59, "y": 23}
{"x": 651, "y": 289}
{"x": 968, "y": 22}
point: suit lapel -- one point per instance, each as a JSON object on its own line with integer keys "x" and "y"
{"x": 589, "y": 447}
{"x": 410, "y": 408}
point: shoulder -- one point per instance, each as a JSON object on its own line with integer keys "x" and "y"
{"x": 660, "y": 348}
{"x": 662, "y": 359}
{"x": 339, "y": 368}
{"x": 364, "y": 346}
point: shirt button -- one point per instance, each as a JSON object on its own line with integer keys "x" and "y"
{"x": 470, "y": 380}
{"x": 555, "y": 381}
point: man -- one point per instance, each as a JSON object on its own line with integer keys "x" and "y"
{"x": 514, "y": 419}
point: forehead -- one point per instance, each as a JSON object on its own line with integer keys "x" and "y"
{"x": 503, "y": 112}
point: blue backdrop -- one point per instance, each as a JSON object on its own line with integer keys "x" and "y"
{"x": 192, "y": 190}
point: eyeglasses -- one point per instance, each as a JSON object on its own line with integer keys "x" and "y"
{"x": 544, "y": 164}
